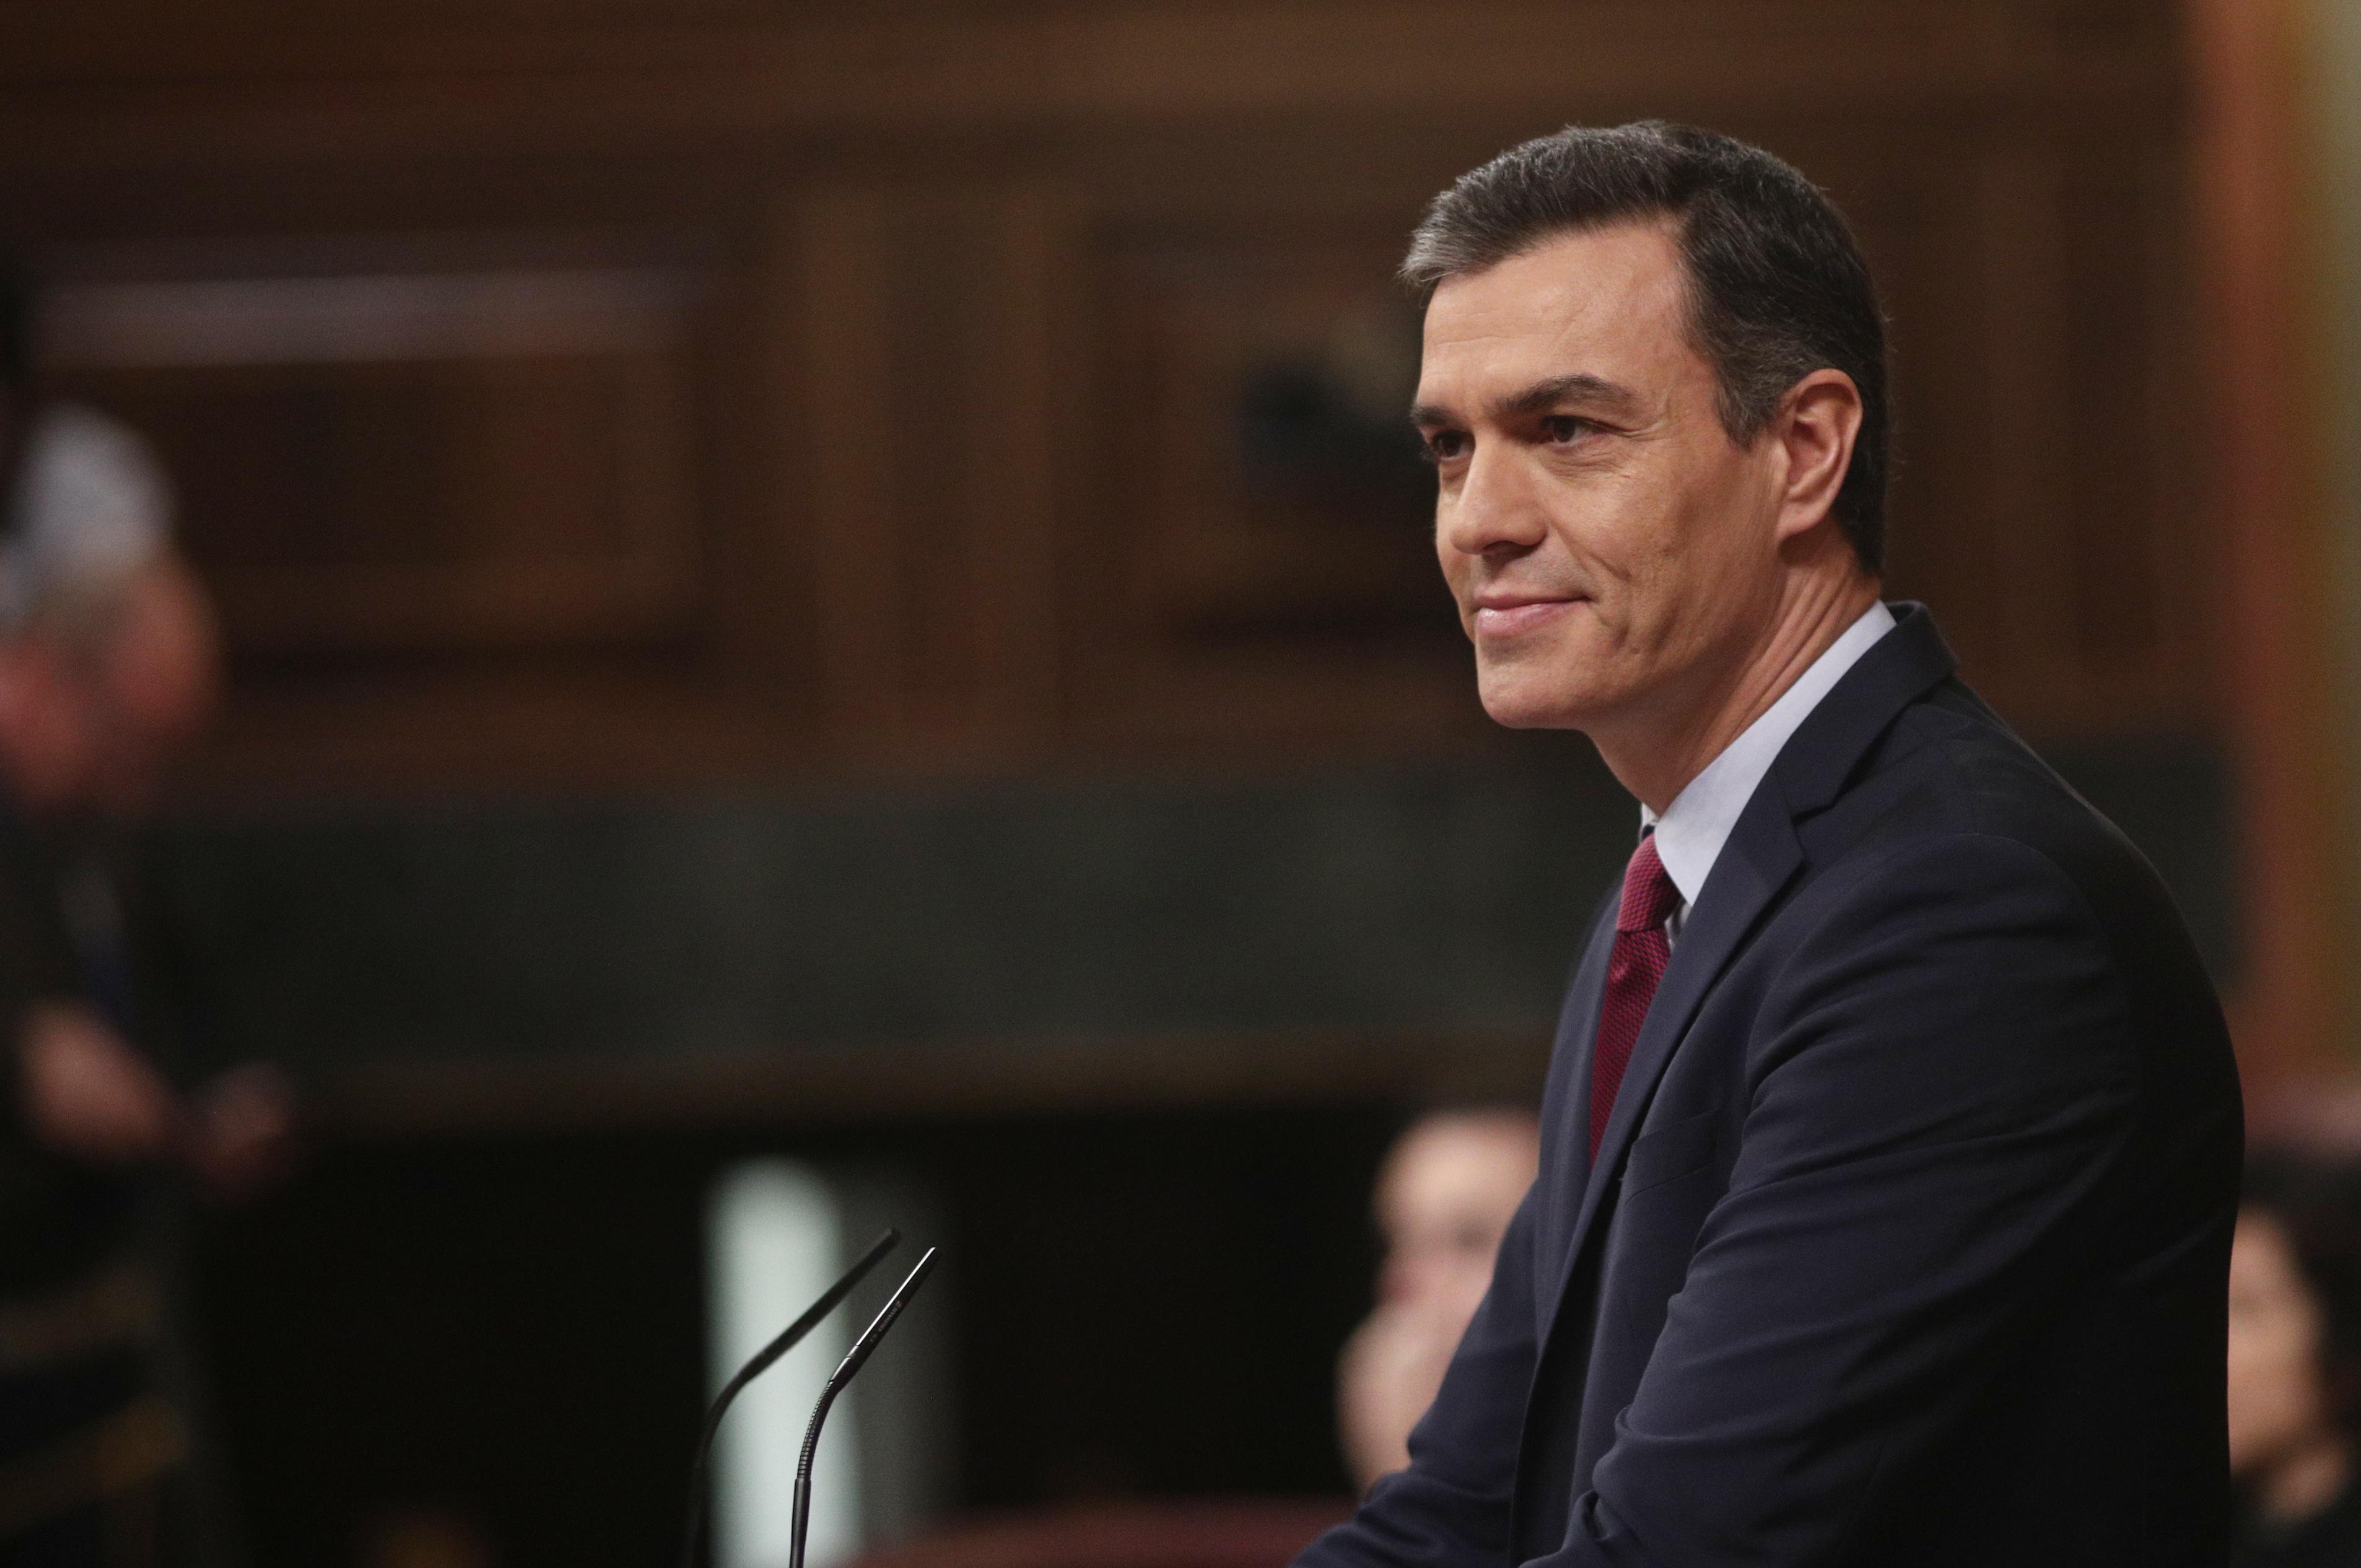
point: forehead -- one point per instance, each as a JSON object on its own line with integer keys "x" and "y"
{"x": 1607, "y": 301}
{"x": 1446, "y": 1158}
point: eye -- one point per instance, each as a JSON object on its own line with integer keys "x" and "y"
{"x": 1445, "y": 446}
{"x": 1564, "y": 429}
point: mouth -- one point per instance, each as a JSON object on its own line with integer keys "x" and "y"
{"x": 1501, "y": 615}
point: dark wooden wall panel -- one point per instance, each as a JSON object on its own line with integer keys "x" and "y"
{"x": 1257, "y": 547}
{"x": 412, "y": 463}
{"x": 933, "y": 391}
{"x": 718, "y": 392}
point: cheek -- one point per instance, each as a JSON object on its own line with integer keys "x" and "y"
{"x": 1637, "y": 535}
{"x": 1453, "y": 562}
{"x": 1713, "y": 563}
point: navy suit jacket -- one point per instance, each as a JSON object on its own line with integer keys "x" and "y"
{"x": 1907, "y": 1240}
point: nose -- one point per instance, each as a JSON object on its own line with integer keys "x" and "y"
{"x": 1494, "y": 510}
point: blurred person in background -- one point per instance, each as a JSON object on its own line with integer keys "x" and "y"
{"x": 2295, "y": 1364}
{"x": 1445, "y": 1198}
{"x": 109, "y": 666}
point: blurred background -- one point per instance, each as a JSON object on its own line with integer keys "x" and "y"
{"x": 828, "y": 622}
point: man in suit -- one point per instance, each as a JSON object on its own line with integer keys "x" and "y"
{"x": 1890, "y": 1150}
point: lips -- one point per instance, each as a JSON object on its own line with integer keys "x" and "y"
{"x": 1511, "y": 615}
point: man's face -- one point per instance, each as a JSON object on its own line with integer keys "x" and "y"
{"x": 1445, "y": 1199}
{"x": 1613, "y": 552}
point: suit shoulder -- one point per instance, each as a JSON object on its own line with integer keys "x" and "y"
{"x": 1949, "y": 769}
{"x": 1952, "y": 830}
{"x": 1950, "y": 784}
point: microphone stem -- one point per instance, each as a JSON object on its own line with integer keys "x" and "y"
{"x": 854, "y": 1359}
{"x": 788, "y": 1339}
{"x": 801, "y": 1521}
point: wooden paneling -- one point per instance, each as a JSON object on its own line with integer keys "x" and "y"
{"x": 2263, "y": 523}
{"x": 935, "y": 386}
{"x": 944, "y": 62}
{"x": 1258, "y": 548}
{"x": 615, "y": 391}
{"x": 2043, "y": 500}
{"x": 587, "y": 393}
{"x": 414, "y": 463}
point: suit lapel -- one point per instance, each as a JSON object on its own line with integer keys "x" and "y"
{"x": 1761, "y": 855}
{"x": 1578, "y": 1028}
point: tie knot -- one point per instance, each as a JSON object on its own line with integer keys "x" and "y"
{"x": 1648, "y": 895}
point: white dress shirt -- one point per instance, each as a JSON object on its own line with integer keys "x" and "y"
{"x": 1691, "y": 832}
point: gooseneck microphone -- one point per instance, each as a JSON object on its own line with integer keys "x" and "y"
{"x": 851, "y": 1364}
{"x": 760, "y": 1362}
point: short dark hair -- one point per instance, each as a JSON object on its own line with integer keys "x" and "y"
{"x": 1777, "y": 288}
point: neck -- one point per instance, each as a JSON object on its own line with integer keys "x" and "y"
{"x": 2306, "y": 1481}
{"x": 1655, "y": 754}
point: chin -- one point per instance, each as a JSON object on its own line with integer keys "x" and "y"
{"x": 1517, "y": 703}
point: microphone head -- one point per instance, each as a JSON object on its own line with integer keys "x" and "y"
{"x": 867, "y": 1344}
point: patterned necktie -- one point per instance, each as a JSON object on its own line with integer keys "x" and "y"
{"x": 1633, "y": 970}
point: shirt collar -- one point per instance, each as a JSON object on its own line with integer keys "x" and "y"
{"x": 1690, "y": 834}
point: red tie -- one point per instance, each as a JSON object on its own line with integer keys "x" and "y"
{"x": 1633, "y": 970}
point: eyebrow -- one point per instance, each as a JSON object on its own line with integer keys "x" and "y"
{"x": 1580, "y": 387}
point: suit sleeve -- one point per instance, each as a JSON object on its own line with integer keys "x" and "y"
{"x": 1449, "y": 1507}
{"x": 1943, "y": 1099}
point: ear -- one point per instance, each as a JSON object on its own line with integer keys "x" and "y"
{"x": 1818, "y": 422}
